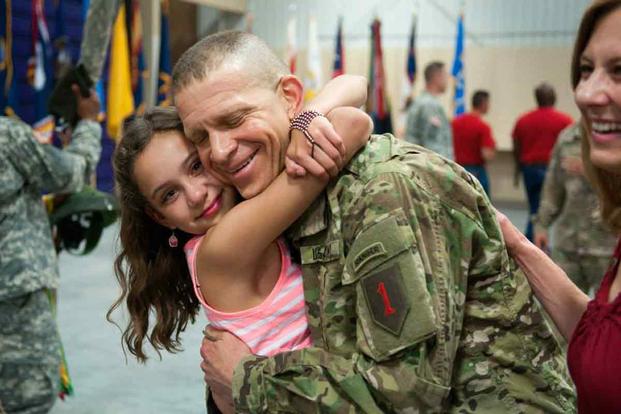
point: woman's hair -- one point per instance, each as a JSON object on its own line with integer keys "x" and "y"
{"x": 154, "y": 277}
{"x": 607, "y": 183}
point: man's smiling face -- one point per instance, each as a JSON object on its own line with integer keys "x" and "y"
{"x": 239, "y": 127}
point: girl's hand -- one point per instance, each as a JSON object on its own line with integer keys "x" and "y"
{"x": 325, "y": 160}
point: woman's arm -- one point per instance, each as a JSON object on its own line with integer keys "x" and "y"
{"x": 559, "y": 296}
{"x": 253, "y": 224}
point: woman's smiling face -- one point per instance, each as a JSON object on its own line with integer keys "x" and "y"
{"x": 598, "y": 93}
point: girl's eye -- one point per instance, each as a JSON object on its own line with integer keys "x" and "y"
{"x": 585, "y": 70}
{"x": 197, "y": 166}
{"x": 168, "y": 196}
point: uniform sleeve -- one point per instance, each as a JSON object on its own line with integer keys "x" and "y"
{"x": 553, "y": 192}
{"x": 49, "y": 168}
{"x": 397, "y": 354}
{"x": 412, "y": 125}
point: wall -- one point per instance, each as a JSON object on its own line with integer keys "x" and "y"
{"x": 511, "y": 46}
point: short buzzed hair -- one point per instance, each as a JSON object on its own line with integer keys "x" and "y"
{"x": 479, "y": 97}
{"x": 545, "y": 95}
{"x": 431, "y": 69}
{"x": 243, "y": 49}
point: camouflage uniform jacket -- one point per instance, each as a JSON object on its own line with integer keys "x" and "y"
{"x": 27, "y": 254}
{"x": 427, "y": 125}
{"x": 412, "y": 300}
{"x": 570, "y": 202}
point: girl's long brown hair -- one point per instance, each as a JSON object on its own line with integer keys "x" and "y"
{"x": 154, "y": 277}
{"x": 607, "y": 183}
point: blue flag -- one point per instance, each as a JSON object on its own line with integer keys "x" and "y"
{"x": 164, "y": 84}
{"x": 458, "y": 69}
{"x": 339, "y": 64}
{"x": 411, "y": 63}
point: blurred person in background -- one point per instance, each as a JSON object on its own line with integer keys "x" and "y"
{"x": 29, "y": 343}
{"x": 593, "y": 328}
{"x": 473, "y": 140}
{"x": 426, "y": 123}
{"x": 534, "y": 136}
{"x": 582, "y": 243}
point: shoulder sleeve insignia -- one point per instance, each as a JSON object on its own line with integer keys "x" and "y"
{"x": 386, "y": 298}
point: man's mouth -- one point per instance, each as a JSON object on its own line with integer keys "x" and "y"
{"x": 212, "y": 208}
{"x": 244, "y": 164}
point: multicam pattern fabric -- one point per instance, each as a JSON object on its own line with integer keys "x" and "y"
{"x": 27, "y": 168}
{"x": 427, "y": 125}
{"x": 570, "y": 202}
{"x": 413, "y": 302}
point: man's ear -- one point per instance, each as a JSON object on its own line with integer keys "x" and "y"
{"x": 157, "y": 216}
{"x": 293, "y": 92}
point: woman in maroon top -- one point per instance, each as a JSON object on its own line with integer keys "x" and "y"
{"x": 594, "y": 328}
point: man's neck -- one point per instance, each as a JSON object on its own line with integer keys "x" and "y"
{"x": 432, "y": 90}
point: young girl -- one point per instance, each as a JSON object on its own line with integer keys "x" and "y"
{"x": 238, "y": 268}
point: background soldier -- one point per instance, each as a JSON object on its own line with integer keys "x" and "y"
{"x": 426, "y": 123}
{"x": 582, "y": 244}
{"x": 29, "y": 341}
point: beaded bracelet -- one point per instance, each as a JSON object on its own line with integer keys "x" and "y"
{"x": 301, "y": 122}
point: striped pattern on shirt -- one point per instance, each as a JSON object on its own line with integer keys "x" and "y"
{"x": 276, "y": 325}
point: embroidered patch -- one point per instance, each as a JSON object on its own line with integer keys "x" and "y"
{"x": 321, "y": 253}
{"x": 373, "y": 250}
{"x": 386, "y": 298}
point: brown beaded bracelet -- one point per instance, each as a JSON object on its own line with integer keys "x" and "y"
{"x": 301, "y": 122}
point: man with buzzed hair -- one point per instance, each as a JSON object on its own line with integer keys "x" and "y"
{"x": 412, "y": 301}
{"x": 427, "y": 124}
{"x": 534, "y": 136}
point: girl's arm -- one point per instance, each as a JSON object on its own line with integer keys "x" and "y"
{"x": 344, "y": 90}
{"x": 557, "y": 293}
{"x": 253, "y": 224}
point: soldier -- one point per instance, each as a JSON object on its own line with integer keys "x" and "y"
{"x": 582, "y": 244}
{"x": 412, "y": 300}
{"x": 29, "y": 341}
{"x": 426, "y": 123}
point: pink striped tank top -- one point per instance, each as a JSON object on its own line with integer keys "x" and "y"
{"x": 277, "y": 324}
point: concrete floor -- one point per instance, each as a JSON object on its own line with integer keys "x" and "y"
{"x": 107, "y": 383}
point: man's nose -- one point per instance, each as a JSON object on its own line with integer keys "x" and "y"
{"x": 222, "y": 147}
{"x": 592, "y": 90}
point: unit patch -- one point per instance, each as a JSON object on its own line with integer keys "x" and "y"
{"x": 386, "y": 298}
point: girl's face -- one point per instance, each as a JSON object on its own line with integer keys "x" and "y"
{"x": 180, "y": 192}
{"x": 598, "y": 94}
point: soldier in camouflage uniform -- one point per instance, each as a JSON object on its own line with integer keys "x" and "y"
{"x": 412, "y": 300}
{"x": 582, "y": 243}
{"x": 29, "y": 342}
{"x": 426, "y": 122}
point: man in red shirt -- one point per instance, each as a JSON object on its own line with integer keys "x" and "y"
{"x": 472, "y": 139}
{"x": 534, "y": 136}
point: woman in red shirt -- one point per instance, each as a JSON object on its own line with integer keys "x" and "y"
{"x": 592, "y": 327}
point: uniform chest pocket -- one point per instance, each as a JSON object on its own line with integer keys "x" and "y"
{"x": 393, "y": 304}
